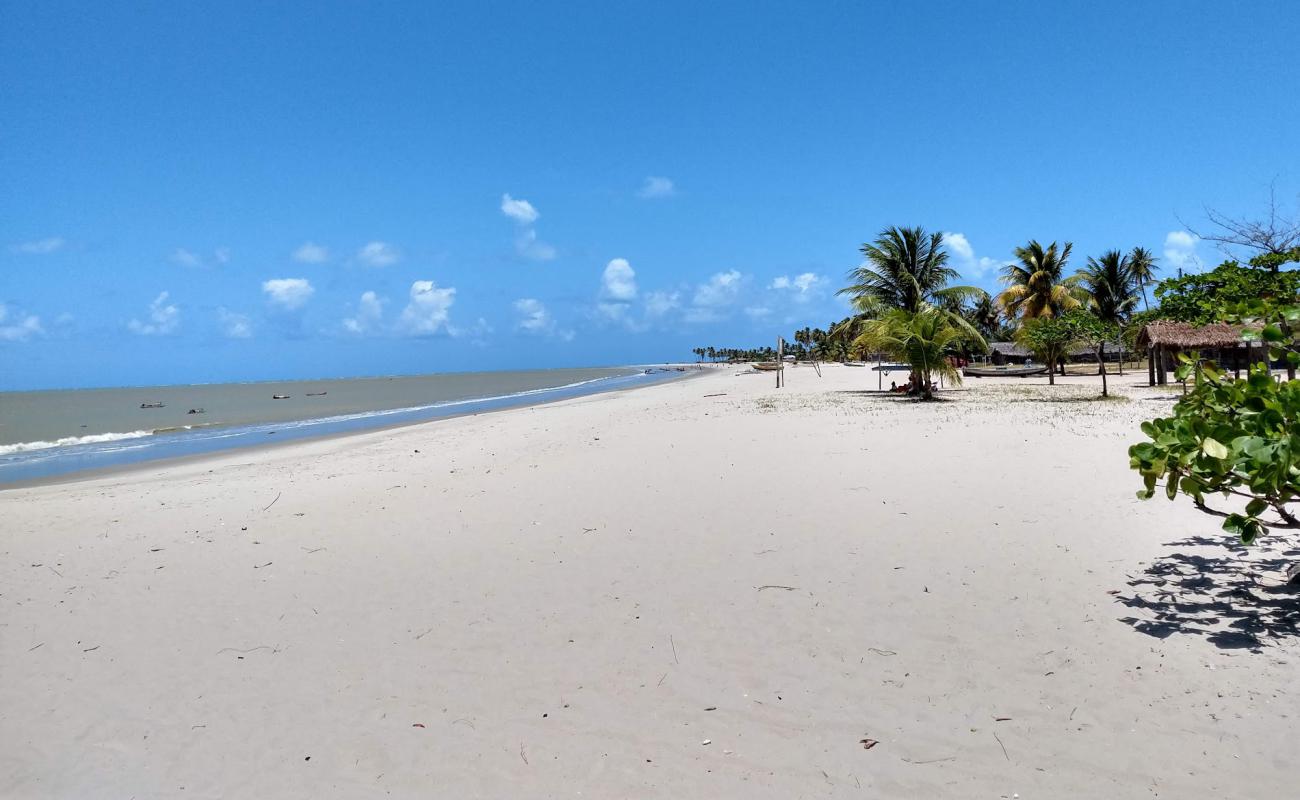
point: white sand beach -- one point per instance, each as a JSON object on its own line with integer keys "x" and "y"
{"x": 711, "y": 588}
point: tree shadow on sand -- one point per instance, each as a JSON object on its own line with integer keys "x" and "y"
{"x": 1233, "y": 596}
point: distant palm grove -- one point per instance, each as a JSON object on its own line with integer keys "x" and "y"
{"x": 908, "y": 306}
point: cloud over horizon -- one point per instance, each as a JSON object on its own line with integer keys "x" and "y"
{"x": 378, "y": 254}
{"x": 289, "y": 294}
{"x": 369, "y": 314}
{"x": 428, "y": 310}
{"x": 524, "y": 216}
{"x": 164, "y": 318}
{"x": 1180, "y": 251}
{"x": 18, "y": 327}
{"x": 311, "y": 253}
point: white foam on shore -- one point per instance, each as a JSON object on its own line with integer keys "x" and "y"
{"x": 70, "y": 441}
{"x": 237, "y": 430}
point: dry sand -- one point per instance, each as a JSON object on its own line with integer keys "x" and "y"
{"x": 657, "y": 593}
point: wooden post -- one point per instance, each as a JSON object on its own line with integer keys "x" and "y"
{"x": 780, "y": 361}
{"x": 1151, "y": 364}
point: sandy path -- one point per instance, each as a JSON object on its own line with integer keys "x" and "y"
{"x": 568, "y": 601}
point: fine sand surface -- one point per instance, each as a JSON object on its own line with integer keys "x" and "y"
{"x": 656, "y": 593}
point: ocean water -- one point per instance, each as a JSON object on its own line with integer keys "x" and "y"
{"x": 52, "y": 433}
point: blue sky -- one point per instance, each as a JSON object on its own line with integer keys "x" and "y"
{"x": 252, "y": 190}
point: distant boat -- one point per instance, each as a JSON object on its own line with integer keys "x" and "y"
{"x": 279, "y": 397}
{"x": 151, "y": 405}
{"x": 854, "y": 364}
{"x": 1014, "y": 371}
{"x": 767, "y": 366}
{"x": 196, "y": 411}
{"x": 892, "y": 368}
{"x": 317, "y": 394}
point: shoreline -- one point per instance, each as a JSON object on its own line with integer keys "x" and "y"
{"x": 504, "y": 405}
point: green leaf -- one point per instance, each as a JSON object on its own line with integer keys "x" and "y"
{"x": 1214, "y": 448}
{"x": 1256, "y": 507}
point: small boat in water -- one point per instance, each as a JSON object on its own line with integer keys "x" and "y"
{"x": 151, "y": 405}
{"x": 196, "y": 411}
{"x": 317, "y": 394}
{"x": 279, "y": 397}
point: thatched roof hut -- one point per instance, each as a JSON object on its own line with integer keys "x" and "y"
{"x": 1186, "y": 336}
{"x": 1162, "y": 338}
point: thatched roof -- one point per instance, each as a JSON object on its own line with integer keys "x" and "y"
{"x": 1017, "y": 350}
{"x": 1008, "y": 349}
{"x": 1185, "y": 336}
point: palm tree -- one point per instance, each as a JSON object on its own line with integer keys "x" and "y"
{"x": 1036, "y": 285}
{"x": 906, "y": 268}
{"x": 1143, "y": 265}
{"x": 1110, "y": 287}
{"x": 985, "y": 316}
{"x": 923, "y": 339}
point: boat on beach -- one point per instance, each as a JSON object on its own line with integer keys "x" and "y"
{"x": 1011, "y": 370}
{"x": 767, "y": 366}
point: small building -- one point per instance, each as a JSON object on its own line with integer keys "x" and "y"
{"x": 1014, "y": 353}
{"x": 1163, "y": 340}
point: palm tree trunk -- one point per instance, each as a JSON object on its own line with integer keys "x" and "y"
{"x": 1101, "y": 359}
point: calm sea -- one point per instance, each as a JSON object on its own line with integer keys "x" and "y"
{"x": 55, "y": 432}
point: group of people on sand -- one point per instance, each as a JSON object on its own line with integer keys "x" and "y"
{"x": 894, "y": 388}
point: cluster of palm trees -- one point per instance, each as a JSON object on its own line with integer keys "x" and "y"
{"x": 908, "y": 308}
{"x": 734, "y": 353}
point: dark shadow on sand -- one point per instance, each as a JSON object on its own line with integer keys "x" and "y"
{"x": 1235, "y": 597}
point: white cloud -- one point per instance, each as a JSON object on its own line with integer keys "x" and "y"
{"x": 370, "y": 310}
{"x": 619, "y": 281}
{"x": 378, "y": 254}
{"x": 964, "y": 259}
{"x": 801, "y": 285}
{"x": 288, "y": 293}
{"x": 528, "y": 246}
{"x": 656, "y": 187}
{"x": 533, "y": 316}
{"x": 311, "y": 253}
{"x": 428, "y": 310}
{"x": 720, "y": 290}
{"x": 659, "y": 303}
{"x": 188, "y": 258}
{"x": 39, "y": 247}
{"x": 521, "y": 211}
{"x": 18, "y": 327}
{"x": 235, "y": 326}
{"x": 185, "y": 258}
{"x": 1180, "y": 250}
{"x": 164, "y": 318}
{"x": 526, "y": 242}
{"x": 758, "y": 312}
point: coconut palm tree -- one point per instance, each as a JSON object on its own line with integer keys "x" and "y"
{"x": 1109, "y": 286}
{"x": 985, "y": 316}
{"x": 906, "y": 268}
{"x": 1036, "y": 282}
{"x": 923, "y": 339}
{"x": 1143, "y": 265}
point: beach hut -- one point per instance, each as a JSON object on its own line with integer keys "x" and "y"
{"x": 1164, "y": 339}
